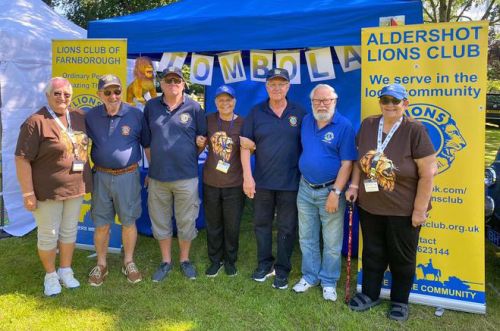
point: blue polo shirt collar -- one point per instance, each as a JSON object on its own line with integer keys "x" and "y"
{"x": 179, "y": 106}
{"x": 288, "y": 108}
{"x": 121, "y": 112}
{"x": 333, "y": 120}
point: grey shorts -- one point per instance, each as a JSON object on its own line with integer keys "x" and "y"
{"x": 164, "y": 197}
{"x": 116, "y": 195}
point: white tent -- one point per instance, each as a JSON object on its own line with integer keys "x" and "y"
{"x": 27, "y": 28}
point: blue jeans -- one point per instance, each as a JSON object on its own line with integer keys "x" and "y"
{"x": 312, "y": 215}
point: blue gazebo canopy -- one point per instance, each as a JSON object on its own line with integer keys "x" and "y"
{"x": 220, "y": 25}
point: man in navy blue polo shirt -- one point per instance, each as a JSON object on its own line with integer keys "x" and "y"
{"x": 117, "y": 131}
{"x": 175, "y": 120}
{"x": 328, "y": 149}
{"x": 274, "y": 127}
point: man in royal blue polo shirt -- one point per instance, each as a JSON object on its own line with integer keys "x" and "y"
{"x": 274, "y": 127}
{"x": 175, "y": 120}
{"x": 117, "y": 131}
{"x": 328, "y": 149}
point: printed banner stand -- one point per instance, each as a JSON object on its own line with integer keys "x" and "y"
{"x": 443, "y": 67}
{"x": 82, "y": 62}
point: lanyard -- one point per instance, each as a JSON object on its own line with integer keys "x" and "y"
{"x": 219, "y": 128}
{"x": 68, "y": 130}
{"x": 381, "y": 145}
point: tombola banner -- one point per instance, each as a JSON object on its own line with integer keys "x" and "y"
{"x": 443, "y": 67}
{"x": 82, "y": 62}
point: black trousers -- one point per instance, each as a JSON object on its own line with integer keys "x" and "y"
{"x": 285, "y": 204}
{"x": 388, "y": 241}
{"x": 223, "y": 210}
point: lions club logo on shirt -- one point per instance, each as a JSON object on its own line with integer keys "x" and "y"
{"x": 292, "y": 120}
{"x": 184, "y": 118}
{"x": 328, "y": 137}
{"x": 125, "y": 130}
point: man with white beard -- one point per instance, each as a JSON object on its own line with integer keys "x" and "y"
{"x": 328, "y": 149}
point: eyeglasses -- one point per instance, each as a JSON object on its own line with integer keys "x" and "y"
{"x": 61, "y": 94}
{"x": 108, "y": 92}
{"x": 388, "y": 100}
{"x": 326, "y": 102}
{"x": 172, "y": 80}
{"x": 276, "y": 85}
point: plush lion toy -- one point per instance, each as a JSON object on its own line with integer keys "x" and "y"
{"x": 143, "y": 82}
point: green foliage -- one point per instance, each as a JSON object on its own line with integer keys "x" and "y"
{"x": 83, "y": 11}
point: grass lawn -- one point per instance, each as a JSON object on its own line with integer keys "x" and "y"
{"x": 492, "y": 144}
{"x": 221, "y": 303}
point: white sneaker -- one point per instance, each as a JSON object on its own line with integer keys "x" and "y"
{"x": 51, "y": 285}
{"x": 67, "y": 278}
{"x": 329, "y": 293}
{"x": 302, "y": 286}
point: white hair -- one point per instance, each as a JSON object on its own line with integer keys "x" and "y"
{"x": 328, "y": 87}
{"x": 50, "y": 85}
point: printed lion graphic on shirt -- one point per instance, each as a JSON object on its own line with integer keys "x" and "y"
{"x": 82, "y": 143}
{"x": 385, "y": 173}
{"x": 222, "y": 145}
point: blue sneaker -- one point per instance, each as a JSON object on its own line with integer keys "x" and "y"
{"x": 188, "y": 269}
{"x": 280, "y": 283}
{"x": 262, "y": 273}
{"x": 162, "y": 272}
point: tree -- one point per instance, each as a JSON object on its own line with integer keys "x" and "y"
{"x": 459, "y": 10}
{"x": 83, "y": 11}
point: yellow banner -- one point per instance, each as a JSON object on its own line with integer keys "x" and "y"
{"x": 82, "y": 62}
{"x": 443, "y": 67}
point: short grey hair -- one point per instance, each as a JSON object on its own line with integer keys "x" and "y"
{"x": 50, "y": 85}
{"x": 328, "y": 87}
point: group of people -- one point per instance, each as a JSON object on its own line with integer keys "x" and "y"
{"x": 306, "y": 166}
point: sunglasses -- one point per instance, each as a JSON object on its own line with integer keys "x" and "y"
{"x": 172, "y": 80}
{"x": 60, "y": 94}
{"x": 108, "y": 92}
{"x": 388, "y": 100}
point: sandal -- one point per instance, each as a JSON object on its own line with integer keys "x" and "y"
{"x": 398, "y": 311}
{"x": 362, "y": 302}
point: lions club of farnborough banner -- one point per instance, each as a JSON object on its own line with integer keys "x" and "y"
{"x": 82, "y": 62}
{"x": 443, "y": 67}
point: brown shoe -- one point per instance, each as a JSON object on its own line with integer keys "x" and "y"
{"x": 132, "y": 273}
{"x": 97, "y": 275}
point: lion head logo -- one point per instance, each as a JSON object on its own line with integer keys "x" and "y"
{"x": 385, "y": 171}
{"x": 222, "y": 145}
{"x": 443, "y": 130}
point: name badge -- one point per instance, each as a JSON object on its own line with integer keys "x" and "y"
{"x": 371, "y": 185}
{"x": 77, "y": 165}
{"x": 222, "y": 166}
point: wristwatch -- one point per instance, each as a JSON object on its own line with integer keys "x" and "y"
{"x": 335, "y": 190}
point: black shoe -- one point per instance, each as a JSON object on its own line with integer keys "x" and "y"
{"x": 230, "y": 269}
{"x": 280, "y": 283}
{"x": 261, "y": 273}
{"x": 214, "y": 269}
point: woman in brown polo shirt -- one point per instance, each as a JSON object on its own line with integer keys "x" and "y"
{"x": 222, "y": 183}
{"x": 394, "y": 177}
{"x": 51, "y": 163}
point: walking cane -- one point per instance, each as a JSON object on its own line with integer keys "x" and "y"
{"x": 350, "y": 204}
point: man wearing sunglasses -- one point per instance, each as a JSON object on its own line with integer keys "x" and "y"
{"x": 117, "y": 131}
{"x": 174, "y": 120}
